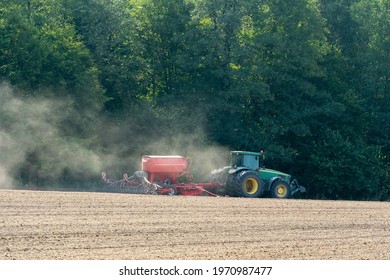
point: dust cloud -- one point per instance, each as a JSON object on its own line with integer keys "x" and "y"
{"x": 40, "y": 146}
{"x": 33, "y": 148}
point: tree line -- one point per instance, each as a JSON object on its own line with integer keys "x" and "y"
{"x": 307, "y": 81}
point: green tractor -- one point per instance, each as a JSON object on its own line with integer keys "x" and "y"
{"x": 245, "y": 177}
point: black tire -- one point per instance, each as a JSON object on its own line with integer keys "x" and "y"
{"x": 280, "y": 189}
{"x": 173, "y": 191}
{"x": 244, "y": 184}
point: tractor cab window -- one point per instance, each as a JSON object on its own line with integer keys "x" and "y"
{"x": 245, "y": 160}
{"x": 236, "y": 160}
{"x": 251, "y": 162}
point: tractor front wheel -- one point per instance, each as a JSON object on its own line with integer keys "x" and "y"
{"x": 280, "y": 189}
{"x": 245, "y": 184}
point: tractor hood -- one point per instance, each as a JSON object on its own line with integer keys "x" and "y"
{"x": 266, "y": 173}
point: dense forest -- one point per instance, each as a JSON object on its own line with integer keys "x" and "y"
{"x": 94, "y": 84}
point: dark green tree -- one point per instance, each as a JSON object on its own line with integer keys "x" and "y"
{"x": 40, "y": 49}
{"x": 107, "y": 29}
{"x": 359, "y": 30}
{"x": 163, "y": 29}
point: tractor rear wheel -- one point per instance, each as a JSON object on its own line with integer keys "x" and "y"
{"x": 244, "y": 184}
{"x": 280, "y": 189}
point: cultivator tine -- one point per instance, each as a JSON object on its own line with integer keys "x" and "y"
{"x": 122, "y": 187}
{"x": 295, "y": 187}
{"x": 136, "y": 184}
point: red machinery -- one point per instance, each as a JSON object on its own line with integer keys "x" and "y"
{"x": 162, "y": 168}
{"x": 161, "y": 175}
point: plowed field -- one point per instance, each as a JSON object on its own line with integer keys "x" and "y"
{"x": 82, "y": 225}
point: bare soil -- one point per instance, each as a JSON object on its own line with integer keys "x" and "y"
{"x": 81, "y": 225}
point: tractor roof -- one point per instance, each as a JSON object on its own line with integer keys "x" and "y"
{"x": 244, "y": 153}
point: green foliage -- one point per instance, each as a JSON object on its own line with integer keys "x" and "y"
{"x": 343, "y": 168}
{"x": 308, "y": 82}
{"x": 108, "y": 31}
{"x": 40, "y": 49}
{"x": 164, "y": 29}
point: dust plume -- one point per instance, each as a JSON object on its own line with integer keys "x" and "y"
{"x": 47, "y": 142}
{"x": 130, "y": 139}
{"x": 33, "y": 148}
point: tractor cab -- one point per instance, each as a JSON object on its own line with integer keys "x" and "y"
{"x": 250, "y": 160}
